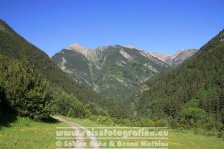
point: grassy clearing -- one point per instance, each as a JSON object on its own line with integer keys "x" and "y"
{"x": 176, "y": 140}
{"x": 25, "y": 133}
{"x": 187, "y": 139}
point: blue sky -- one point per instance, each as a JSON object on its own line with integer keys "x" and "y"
{"x": 151, "y": 25}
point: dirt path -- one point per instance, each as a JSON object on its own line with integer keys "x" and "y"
{"x": 77, "y": 128}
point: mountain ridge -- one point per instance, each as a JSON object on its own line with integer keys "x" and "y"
{"x": 175, "y": 59}
{"x": 109, "y": 69}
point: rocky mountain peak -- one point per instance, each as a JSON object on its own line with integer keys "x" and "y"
{"x": 80, "y": 49}
{"x": 130, "y": 46}
{"x": 76, "y": 46}
{"x": 178, "y": 57}
{"x": 160, "y": 56}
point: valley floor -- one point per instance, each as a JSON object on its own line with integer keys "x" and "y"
{"x": 27, "y": 134}
{"x": 176, "y": 139}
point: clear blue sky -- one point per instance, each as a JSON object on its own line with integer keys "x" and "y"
{"x": 152, "y": 25}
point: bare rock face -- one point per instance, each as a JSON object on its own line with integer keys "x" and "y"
{"x": 175, "y": 59}
{"x": 221, "y": 35}
{"x": 162, "y": 57}
{"x": 80, "y": 49}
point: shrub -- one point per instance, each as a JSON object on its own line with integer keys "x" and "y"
{"x": 174, "y": 123}
{"x": 221, "y": 134}
{"x": 102, "y": 120}
{"x": 161, "y": 123}
{"x": 69, "y": 105}
{"x": 212, "y": 124}
{"x": 123, "y": 122}
{"x": 192, "y": 116}
{"x": 198, "y": 131}
{"x": 212, "y": 132}
{"x": 137, "y": 124}
{"x": 93, "y": 109}
{"x": 147, "y": 123}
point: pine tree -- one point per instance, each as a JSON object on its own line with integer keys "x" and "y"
{"x": 27, "y": 92}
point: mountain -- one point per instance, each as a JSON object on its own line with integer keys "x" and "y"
{"x": 113, "y": 71}
{"x": 175, "y": 59}
{"x": 194, "y": 87}
{"x": 14, "y": 46}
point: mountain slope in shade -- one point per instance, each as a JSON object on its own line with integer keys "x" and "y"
{"x": 175, "y": 59}
{"x": 196, "y": 83}
{"x": 114, "y": 71}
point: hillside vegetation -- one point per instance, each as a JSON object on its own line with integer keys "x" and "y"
{"x": 14, "y": 46}
{"x": 32, "y": 85}
{"x": 191, "y": 95}
{"x": 112, "y": 71}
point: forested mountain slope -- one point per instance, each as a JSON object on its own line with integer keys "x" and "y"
{"x": 194, "y": 87}
{"x": 14, "y": 46}
{"x": 69, "y": 97}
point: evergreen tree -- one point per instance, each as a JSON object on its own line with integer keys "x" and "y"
{"x": 27, "y": 92}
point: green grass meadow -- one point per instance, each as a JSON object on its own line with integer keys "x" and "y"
{"x": 28, "y": 134}
{"x": 176, "y": 139}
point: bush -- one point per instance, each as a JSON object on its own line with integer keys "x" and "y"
{"x": 95, "y": 111}
{"x": 198, "y": 131}
{"x": 174, "y": 123}
{"x": 161, "y": 123}
{"x": 221, "y": 134}
{"x": 212, "y": 124}
{"x": 191, "y": 117}
{"x": 147, "y": 123}
{"x": 212, "y": 132}
{"x": 69, "y": 105}
{"x": 123, "y": 122}
{"x": 102, "y": 120}
{"x": 137, "y": 123}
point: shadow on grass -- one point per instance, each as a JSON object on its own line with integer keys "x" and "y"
{"x": 50, "y": 120}
{"x": 7, "y": 116}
